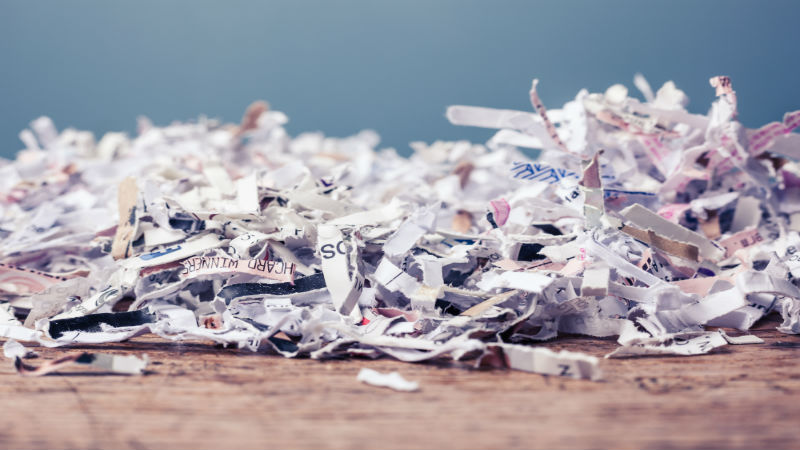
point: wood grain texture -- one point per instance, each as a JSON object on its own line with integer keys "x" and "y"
{"x": 202, "y": 396}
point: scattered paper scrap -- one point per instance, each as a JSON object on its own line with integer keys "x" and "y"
{"x": 391, "y": 380}
{"x": 118, "y": 364}
{"x": 13, "y": 350}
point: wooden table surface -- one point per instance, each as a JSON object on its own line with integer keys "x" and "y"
{"x": 202, "y": 396}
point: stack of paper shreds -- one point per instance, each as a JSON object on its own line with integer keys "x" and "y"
{"x": 638, "y": 220}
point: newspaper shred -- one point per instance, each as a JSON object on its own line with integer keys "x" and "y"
{"x": 630, "y": 218}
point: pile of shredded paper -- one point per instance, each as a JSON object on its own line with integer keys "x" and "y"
{"x": 633, "y": 219}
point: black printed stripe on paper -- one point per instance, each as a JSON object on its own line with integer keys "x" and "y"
{"x": 305, "y": 284}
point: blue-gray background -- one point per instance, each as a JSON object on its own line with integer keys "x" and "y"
{"x": 340, "y": 66}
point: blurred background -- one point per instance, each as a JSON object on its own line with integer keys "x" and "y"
{"x": 341, "y": 66}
